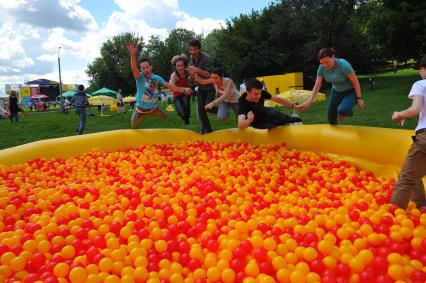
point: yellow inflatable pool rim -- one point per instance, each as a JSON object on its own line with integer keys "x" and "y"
{"x": 377, "y": 149}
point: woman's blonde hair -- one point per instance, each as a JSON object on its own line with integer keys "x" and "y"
{"x": 181, "y": 57}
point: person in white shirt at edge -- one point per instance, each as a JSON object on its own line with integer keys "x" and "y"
{"x": 410, "y": 185}
{"x": 120, "y": 103}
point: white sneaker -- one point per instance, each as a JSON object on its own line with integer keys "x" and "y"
{"x": 295, "y": 115}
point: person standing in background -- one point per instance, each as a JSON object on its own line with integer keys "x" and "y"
{"x": 243, "y": 87}
{"x": 120, "y": 103}
{"x": 13, "y": 106}
{"x": 80, "y": 103}
{"x": 410, "y": 185}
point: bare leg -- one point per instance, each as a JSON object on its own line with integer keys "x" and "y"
{"x": 340, "y": 117}
{"x": 159, "y": 113}
{"x": 137, "y": 119}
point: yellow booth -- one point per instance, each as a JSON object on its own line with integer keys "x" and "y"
{"x": 279, "y": 83}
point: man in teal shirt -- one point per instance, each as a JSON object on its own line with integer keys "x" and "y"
{"x": 147, "y": 85}
{"x": 345, "y": 92}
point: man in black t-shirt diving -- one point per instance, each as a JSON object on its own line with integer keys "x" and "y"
{"x": 252, "y": 112}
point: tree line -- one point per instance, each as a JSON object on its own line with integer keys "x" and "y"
{"x": 283, "y": 37}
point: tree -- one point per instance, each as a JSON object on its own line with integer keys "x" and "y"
{"x": 398, "y": 27}
{"x": 161, "y": 52}
{"x": 112, "y": 68}
{"x": 177, "y": 41}
{"x": 210, "y": 43}
{"x": 243, "y": 47}
{"x": 155, "y": 50}
{"x": 285, "y": 37}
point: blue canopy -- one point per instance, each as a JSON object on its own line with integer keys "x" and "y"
{"x": 41, "y": 82}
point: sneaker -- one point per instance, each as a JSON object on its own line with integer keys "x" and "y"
{"x": 295, "y": 115}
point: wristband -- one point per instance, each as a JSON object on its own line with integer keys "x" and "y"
{"x": 401, "y": 120}
{"x": 359, "y": 98}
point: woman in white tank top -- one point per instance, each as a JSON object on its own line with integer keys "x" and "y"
{"x": 227, "y": 94}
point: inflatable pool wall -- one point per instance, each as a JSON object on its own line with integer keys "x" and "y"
{"x": 377, "y": 149}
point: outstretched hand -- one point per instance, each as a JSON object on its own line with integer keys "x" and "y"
{"x": 302, "y": 106}
{"x": 194, "y": 76}
{"x": 193, "y": 71}
{"x": 360, "y": 103}
{"x": 131, "y": 47}
{"x": 209, "y": 106}
{"x": 395, "y": 115}
{"x": 188, "y": 91}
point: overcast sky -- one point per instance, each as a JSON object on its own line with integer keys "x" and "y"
{"x": 32, "y": 30}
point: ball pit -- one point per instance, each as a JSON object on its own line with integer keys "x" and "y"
{"x": 207, "y": 211}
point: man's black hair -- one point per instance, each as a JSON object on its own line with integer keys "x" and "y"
{"x": 218, "y": 71}
{"x": 253, "y": 83}
{"x": 422, "y": 62}
{"x": 195, "y": 43}
{"x": 81, "y": 87}
{"x": 144, "y": 59}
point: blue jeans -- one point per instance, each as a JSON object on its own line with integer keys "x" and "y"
{"x": 182, "y": 106}
{"x": 223, "y": 111}
{"x": 342, "y": 103}
{"x": 81, "y": 112}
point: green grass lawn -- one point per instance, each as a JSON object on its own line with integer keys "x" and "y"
{"x": 390, "y": 94}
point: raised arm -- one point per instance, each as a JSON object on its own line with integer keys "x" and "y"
{"x": 133, "y": 64}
